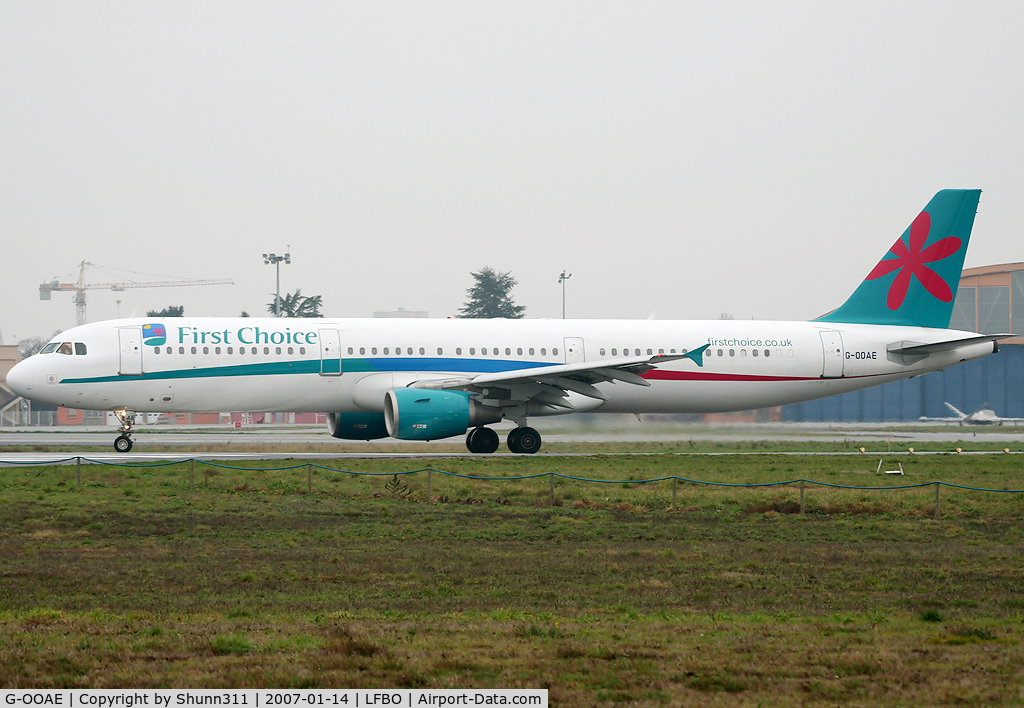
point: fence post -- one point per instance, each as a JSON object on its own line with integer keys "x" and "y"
{"x": 937, "y": 484}
{"x": 309, "y": 477}
{"x": 78, "y": 464}
{"x": 801, "y": 496}
{"x": 192, "y": 472}
{"x": 674, "y": 484}
{"x": 429, "y": 480}
{"x": 551, "y": 485}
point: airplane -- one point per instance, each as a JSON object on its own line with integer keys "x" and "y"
{"x": 980, "y": 416}
{"x": 429, "y": 379}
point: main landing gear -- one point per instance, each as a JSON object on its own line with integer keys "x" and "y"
{"x": 524, "y": 440}
{"x": 482, "y": 440}
{"x": 123, "y": 442}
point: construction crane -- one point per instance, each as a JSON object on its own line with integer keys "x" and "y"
{"x": 81, "y": 286}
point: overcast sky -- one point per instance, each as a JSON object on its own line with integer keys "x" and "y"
{"x": 681, "y": 158}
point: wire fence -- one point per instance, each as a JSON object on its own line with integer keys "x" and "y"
{"x": 803, "y": 484}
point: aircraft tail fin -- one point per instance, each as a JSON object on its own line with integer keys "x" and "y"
{"x": 915, "y": 283}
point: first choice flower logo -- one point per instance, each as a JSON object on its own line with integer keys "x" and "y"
{"x": 911, "y": 263}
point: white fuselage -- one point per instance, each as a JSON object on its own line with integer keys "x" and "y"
{"x": 347, "y": 365}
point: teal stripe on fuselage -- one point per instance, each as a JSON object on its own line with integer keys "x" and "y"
{"x": 312, "y": 366}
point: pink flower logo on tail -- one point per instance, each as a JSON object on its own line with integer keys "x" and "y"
{"x": 911, "y": 262}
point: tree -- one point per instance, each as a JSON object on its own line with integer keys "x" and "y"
{"x": 489, "y": 297}
{"x": 297, "y": 305}
{"x": 169, "y": 311}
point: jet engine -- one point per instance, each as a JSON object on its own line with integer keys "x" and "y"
{"x": 424, "y": 414}
{"x": 357, "y": 426}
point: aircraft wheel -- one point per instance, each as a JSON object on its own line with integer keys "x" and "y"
{"x": 482, "y": 440}
{"x": 524, "y": 440}
{"x": 123, "y": 443}
{"x": 529, "y": 440}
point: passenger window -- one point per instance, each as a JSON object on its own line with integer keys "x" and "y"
{"x": 458, "y": 351}
{"x": 386, "y": 350}
{"x": 194, "y": 350}
{"x": 206, "y": 350}
{"x": 649, "y": 352}
{"x": 743, "y": 352}
{"x": 350, "y": 351}
{"x": 732, "y": 352}
{"x": 422, "y": 351}
{"x": 362, "y": 350}
{"x": 472, "y": 351}
{"x": 519, "y": 351}
{"x": 216, "y": 350}
{"x": 277, "y": 350}
{"x": 719, "y": 352}
{"x": 266, "y": 350}
{"x": 638, "y": 352}
{"x": 49, "y": 348}
{"x": 373, "y": 350}
{"x": 672, "y": 351}
{"x": 508, "y": 352}
{"x": 291, "y": 350}
{"x": 409, "y": 351}
{"x": 554, "y": 351}
{"x": 754, "y": 351}
{"x": 231, "y": 350}
{"x": 531, "y": 351}
{"x": 181, "y": 350}
{"x": 169, "y": 350}
{"x": 543, "y": 351}
{"x": 615, "y": 351}
{"x": 254, "y": 350}
{"x": 80, "y": 348}
{"x": 156, "y": 350}
{"x": 241, "y": 351}
{"x": 302, "y": 350}
{"x": 440, "y": 351}
{"x": 602, "y": 351}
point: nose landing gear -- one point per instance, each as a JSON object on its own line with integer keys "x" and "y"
{"x": 123, "y": 442}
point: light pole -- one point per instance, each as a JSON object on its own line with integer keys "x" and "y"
{"x": 275, "y": 260}
{"x": 561, "y": 279}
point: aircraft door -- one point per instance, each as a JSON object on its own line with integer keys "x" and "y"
{"x": 574, "y": 353}
{"x": 130, "y": 339}
{"x": 330, "y": 352}
{"x": 832, "y": 349}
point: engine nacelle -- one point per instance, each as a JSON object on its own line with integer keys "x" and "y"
{"x": 425, "y": 414}
{"x": 357, "y": 426}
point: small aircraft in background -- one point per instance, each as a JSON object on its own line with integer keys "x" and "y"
{"x": 980, "y": 416}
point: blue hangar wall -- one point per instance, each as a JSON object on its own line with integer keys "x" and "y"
{"x": 996, "y": 380}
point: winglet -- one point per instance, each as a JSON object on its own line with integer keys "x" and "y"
{"x": 697, "y": 355}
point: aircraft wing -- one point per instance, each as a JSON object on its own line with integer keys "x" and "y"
{"x": 550, "y": 385}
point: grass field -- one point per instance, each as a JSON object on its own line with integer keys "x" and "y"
{"x": 602, "y": 594}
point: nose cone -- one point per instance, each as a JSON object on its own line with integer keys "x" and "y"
{"x": 19, "y": 379}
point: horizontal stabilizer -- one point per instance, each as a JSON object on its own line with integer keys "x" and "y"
{"x": 918, "y": 348}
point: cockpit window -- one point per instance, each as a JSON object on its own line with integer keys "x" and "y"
{"x": 80, "y": 348}
{"x": 49, "y": 347}
{"x": 64, "y": 348}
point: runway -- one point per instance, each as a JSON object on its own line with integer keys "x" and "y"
{"x": 278, "y": 438}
